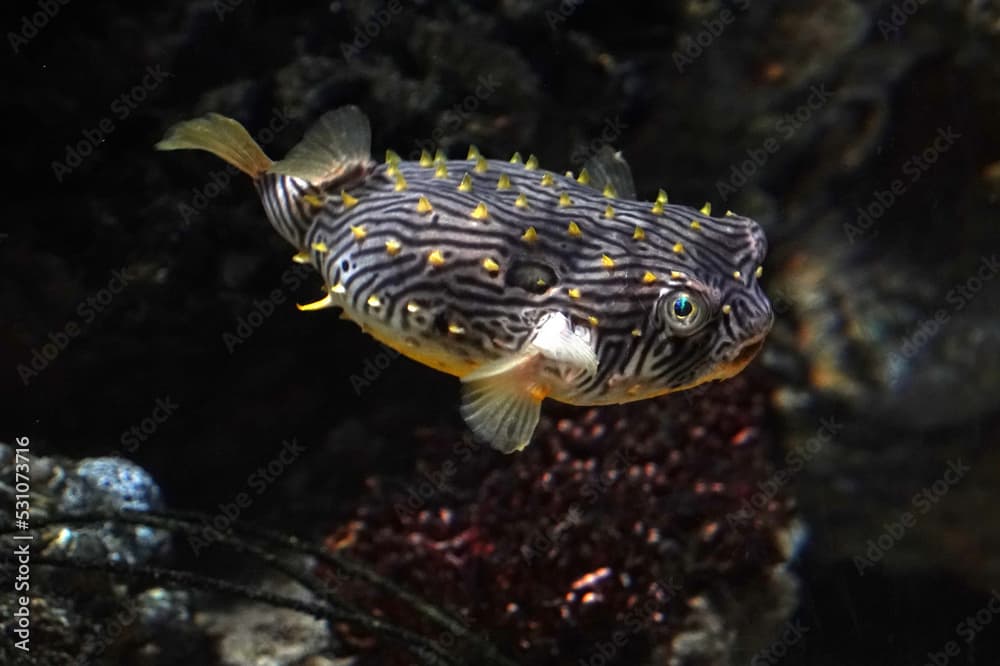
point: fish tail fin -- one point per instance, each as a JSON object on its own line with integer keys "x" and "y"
{"x": 334, "y": 153}
{"x": 223, "y": 137}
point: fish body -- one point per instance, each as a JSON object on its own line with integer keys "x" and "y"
{"x": 523, "y": 282}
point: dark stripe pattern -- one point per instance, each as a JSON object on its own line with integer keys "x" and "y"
{"x": 290, "y": 215}
{"x": 464, "y": 271}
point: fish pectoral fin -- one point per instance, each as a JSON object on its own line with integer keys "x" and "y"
{"x": 334, "y": 149}
{"x": 503, "y": 408}
{"x": 501, "y": 401}
{"x": 557, "y": 340}
{"x": 608, "y": 167}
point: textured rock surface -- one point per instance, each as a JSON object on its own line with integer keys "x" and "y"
{"x": 656, "y": 528}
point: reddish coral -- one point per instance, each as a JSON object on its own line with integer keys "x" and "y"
{"x": 614, "y": 518}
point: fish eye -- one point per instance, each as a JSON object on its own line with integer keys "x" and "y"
{"x": 683, "y": 307}
{"x": 685, "y": 312}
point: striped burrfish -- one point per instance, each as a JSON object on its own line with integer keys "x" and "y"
{"x": 524, "y": 283}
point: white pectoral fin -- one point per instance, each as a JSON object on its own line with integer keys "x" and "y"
{"x": 557, "y": 341}
{"x": 501, "y": 410}
{"x": 501, "y": 401}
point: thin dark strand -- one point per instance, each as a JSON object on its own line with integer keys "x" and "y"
{"x": 190, "y": 521}
{"x": 325, "y": 556}
{"x": 317, "y": 610}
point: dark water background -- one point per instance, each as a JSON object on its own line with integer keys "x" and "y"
{"x": 863, "y": 135}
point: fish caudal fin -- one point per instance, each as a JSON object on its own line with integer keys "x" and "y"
{"x": 335, "y": 151}
{"x": 221, "y": 136}
{"x": 501, "y": 401}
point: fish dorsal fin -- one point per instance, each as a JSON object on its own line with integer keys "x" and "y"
{"x": 337, "y": 145}
{"x": 221, "y": 136}
{"x": 608, "y": 167}
{"x": 501, "y": 401}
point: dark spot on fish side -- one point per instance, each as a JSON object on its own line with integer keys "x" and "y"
{"x": 441, "y": 323}
{"x": 532, "y": 276}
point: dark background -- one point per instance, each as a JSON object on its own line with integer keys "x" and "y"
{"x": 849, "y": 301}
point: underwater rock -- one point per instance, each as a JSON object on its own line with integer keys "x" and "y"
{"x": 80, "y": 615}
{"x": 60, "y": 486}
{"x": 653, "y": 527}
{"x": 248, "y": 633}
{"x": 903, "y": 357}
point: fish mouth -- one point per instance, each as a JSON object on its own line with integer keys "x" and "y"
{"x": 742, "y": 358}
{"x": 748, "y": 352}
